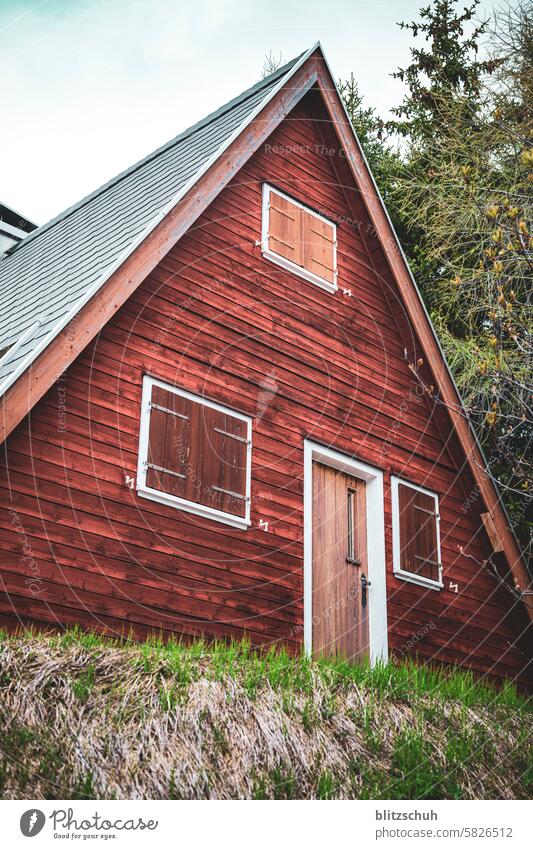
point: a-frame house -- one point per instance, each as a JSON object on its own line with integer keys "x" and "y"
{"x": 225, "y": 411}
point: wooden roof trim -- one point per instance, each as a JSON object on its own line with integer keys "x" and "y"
{"x": 423, "y": 328}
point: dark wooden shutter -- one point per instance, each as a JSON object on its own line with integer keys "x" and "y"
{"x": 223, "y": 462}
{"x": 168, "y": 458}
{"x": 418, "y": 533}
{"x": 197, "y": 453}
{"x": 284, "y": 228}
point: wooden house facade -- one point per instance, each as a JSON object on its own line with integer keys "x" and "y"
{"x": 225, "y": 412}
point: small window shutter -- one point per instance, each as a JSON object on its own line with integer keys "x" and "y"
{"x": 301, "y": 237}
{"x": 168, "y": 442}
{"x": 318, "y": 239}
{"x": 284, "y": 228}
{"x": 418, "y": 533}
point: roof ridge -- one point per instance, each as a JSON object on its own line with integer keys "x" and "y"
{"x": 217, "y": 113}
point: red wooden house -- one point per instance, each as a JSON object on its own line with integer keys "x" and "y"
{"x": 225, "y": 410}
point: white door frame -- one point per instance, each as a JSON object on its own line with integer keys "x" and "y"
{"x": 377, "y": 593}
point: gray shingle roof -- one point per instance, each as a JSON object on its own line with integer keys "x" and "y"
{"x": 50, "y": 273}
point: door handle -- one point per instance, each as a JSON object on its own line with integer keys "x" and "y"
{"x": 365, "y": 583}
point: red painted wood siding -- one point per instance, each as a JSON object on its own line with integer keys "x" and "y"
{"x": 79, "y": 545}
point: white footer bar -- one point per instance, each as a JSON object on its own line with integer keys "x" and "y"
{"x": 231, "y": 825}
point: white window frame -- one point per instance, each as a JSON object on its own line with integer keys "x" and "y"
{"x": 146, "y": 491}
{"x": 283, "y": 261}
{"x": 404, "y": 574}
{"x": 377, "y": 599}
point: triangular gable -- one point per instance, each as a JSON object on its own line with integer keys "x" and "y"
{"x": 177, "y": 217}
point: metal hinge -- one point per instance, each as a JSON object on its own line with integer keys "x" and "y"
{"x": 152, "y": 406}
{"x": 229, "y": 492}
{"x": 232, "y": 435}
{"x": 165, "y": 471}
{"x": 425, "y": 510}
{"x": 427, "y": 560}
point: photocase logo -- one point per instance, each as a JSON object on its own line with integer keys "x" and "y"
{"x": 32, "y": 822}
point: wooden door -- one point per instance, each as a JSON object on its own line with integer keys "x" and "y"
{"x": 340, "y": 569}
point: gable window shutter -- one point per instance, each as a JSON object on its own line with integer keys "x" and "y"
{"x": 284, "y": 228}
{"x": 302, "y": 237}
{"x": 318, "y": 239}
{"x": 418, "y": 533}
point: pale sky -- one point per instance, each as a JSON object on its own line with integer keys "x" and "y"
{"x": 91, "y": 86}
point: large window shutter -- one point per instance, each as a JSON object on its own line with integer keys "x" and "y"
{"x": 169, "y": 442}
{"x": 197, "y": 452}
{"x": 418, "y": 533}
{"x": 224, "y": 462}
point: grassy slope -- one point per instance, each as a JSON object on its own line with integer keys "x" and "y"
{"x": 85, "y": 718}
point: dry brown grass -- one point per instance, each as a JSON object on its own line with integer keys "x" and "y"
{"x": 81, "y": 719}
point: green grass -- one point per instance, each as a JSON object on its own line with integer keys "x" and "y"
{"x": 83, "y": 685}
{"x": 302, "y": 728}
{"x": 415, "y": 772}
{"x": 185, "y": 663}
